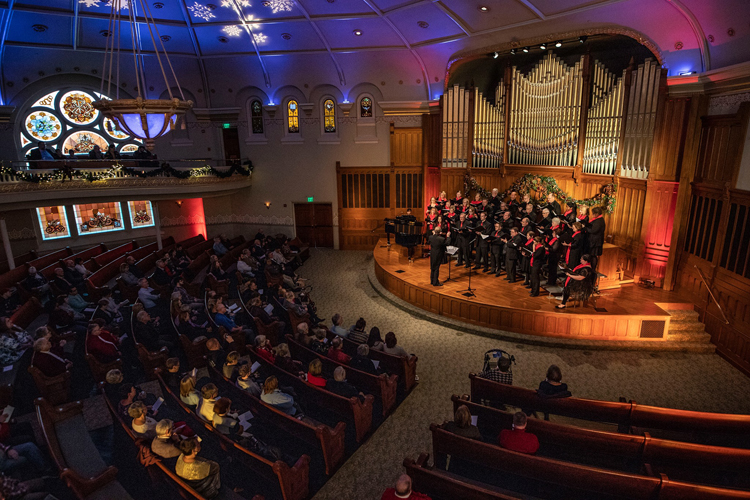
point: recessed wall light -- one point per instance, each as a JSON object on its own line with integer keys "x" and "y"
{"x": 39, "y": 28}
{"x": 165, "y": 38}
{"x": 495, "y": 55}
{"x": 158, "y": 5}
{"x": 423, "y": 24}
{"x": 525, "y": 49}
{"x": 543, "y": 46}
{"x": 357, "y": 32}
{"x": 223, "y": 39}
{"x": 286, "y": 36}
{"x": 582, "y": 39}
{"x": 512, "y": 52}
{"x": 558, "y": 44}
{"x": 483, "y": 8}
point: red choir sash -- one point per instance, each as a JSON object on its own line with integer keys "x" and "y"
{"x": 579, "y": 266}
{"x": 567, "y": 254}
{"x": 597, "y": 217}
{"x": 568, "y": 212}
{"x": 532, "y": 255}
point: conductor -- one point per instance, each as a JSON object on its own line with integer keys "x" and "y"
{"x": 438, "y": 243}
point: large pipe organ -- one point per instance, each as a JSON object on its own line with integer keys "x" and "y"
{"x": 568, "y": 115}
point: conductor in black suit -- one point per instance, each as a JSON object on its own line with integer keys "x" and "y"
{"x": 438, "y": 243}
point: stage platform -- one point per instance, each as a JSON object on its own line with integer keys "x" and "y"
{"x": 627, "y": 313}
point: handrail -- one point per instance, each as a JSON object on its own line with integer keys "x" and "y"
{"x": 703, "y": 279}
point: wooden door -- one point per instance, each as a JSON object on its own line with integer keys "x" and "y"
{"x": 231, "y": 139}
{"x": 314, "y": 223}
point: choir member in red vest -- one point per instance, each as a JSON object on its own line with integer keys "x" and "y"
{"x": 574, "y": 246}
{"x": 579, "y": 279}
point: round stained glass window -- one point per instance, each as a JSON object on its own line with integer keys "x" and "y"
{"x": 129, "y": 148}
{"x": 113, "y": 131}
{"x": 43, "y": 126}
{"x": 84, "y": 141}
{"x": 77, "y": 108}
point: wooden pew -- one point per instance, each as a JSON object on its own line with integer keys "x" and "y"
{"x": 83, "y": 470}
{"x": 150, "y": 360}
{"x": 10, "y": 278}
{"x": 382, "y": 386}
{"x": 197, "y": 249}
{"x": 293, "y": 481}
{"x": 196, "y": 267}
{"x": 55, "y": 390}
{"x": 110, "y": 255}
{"x": 687, "y": 461}
{"x": 101, "y": 278}
{"x": 354, "y": 411}
{"x": 87, "y": 254}
{"x": 50, "y": 258}
{"x": 441, "y": 485}
{"x": 329, "y": 441}
{"x": 695, "y": 424}
{"x": 404, "y": 367}
{"x": 192, "y": 241}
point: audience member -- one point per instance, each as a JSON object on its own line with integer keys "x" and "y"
{"x": 36, "y": 283}
{"x": 219, "y": 249}
{"x": 215, "y": 355}
{"x": 188, "y": 394}
{"x": 284, "y": 359}
{"x": 76, "y": 300}
{"x": 172, "y": 375}
{"x": 146, "y": 294}
{"x": 273, "y": 396}
{"x": 357, "y": 332}
{"x": 391, "y": 346}
{"x": 264, "y": 349}
{"x": 552, "y": 386}
{"x": 246, "y": 382}
{"x": 9, "y": 302}
{"x": 518, "y": 439}
{"x": 229, "y": 369}
{"x": 314, "y": 371}
{"x": 147, "y": 333}
{"x": 142, "y": 424}
{"x": 165, "y": 443}
{"x": 362, "y": 362}
{"x": 50, "y": 364}
{"x": 403, "y": 491}
{"x": 133, "y": 267}
{"x": 336, "y": 353}
{"x": 215, "y": 268}
{"x": 374, "y": 340}
{"x": 202, "y": 475}
{"x": 59, "y": 281}
{"x": 320, "y": 343}
{"x": 340, "y": 386}
{"x": 209, "y": 393}
{"x": 501, "y": 373}
{"x": 461, "y": 424}
{"x": 13, "y": 342}
{"x": 336, "y": 327}
{"x": 162, "y": 276}
{"x": 223, "y": 420}
{"x": 22, "y": 455}
{"x": 101, "y": 344}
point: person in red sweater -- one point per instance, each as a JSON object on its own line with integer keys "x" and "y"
{"x": 518, "y": 439}
{"x": 314, "y": 371}
{"x": 335, "y": 352}
{"x": 101, "y": 344}
{"x": 403, "y": 490}
{"x": 264, "y": 349}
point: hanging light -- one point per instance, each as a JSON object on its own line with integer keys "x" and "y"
{"x": 144, "y": 118}
{"x": 543, "y": 46}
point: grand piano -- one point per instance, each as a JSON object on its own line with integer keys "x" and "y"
{"x": 407, "y": 231}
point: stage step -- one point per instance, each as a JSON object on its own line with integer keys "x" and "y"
{"x": 684, "y": 326}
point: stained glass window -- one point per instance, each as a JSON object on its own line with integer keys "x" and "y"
{"x": 66, "y": 120}
{"x": 293, "y": 116}
{"x": 98, "y": 217}
{"x": 256, "y": 115}
{"x": 141, "y": 214}
{"x": 53, "y": 222}
{"x": 365, "y": 107}
{"x": 329, "y": 116}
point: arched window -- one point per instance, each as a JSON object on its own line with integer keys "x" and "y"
{"x": 329, "y": 116}
{"x": 66, "y": 120}
{"x": 292, "y": 117}
{"x": 365, "y": 107}
{"x": 256, "y": 116}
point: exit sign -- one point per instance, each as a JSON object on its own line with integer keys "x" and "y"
{"x": 227, "y": 125}
{"x": 310, "y": 199}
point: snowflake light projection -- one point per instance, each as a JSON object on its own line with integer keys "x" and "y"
{"x": 260, "y": 38}
{"x": 201, "y": 11}
{"x": 122, "y": 4}
{"x": 279, "y": 5}
{"x": 232, "y": 30}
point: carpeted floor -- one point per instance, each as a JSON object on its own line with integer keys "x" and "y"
{"x": 446, "y": 356}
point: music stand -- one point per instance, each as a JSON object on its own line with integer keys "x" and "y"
{"x": 469, "y": 292}
{"x": 451, "y": 251}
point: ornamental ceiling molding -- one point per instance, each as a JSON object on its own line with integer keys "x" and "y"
{"x": 469, "y": 55}
{"x": 20, "y": 186}
{"x": 262, "y": 220}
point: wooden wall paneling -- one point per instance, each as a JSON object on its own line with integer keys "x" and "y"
{"x": 656, "y": 232}
{"x": 721, "y": 144}
{"x": 669, "y": 140}
{"x": 698, "y": 106}
{"x": 431, "y": 139}
{"x": 406, "y": 146}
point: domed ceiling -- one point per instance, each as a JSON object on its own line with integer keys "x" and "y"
{"x": 403, "y": 47}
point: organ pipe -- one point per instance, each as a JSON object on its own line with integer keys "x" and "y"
{"x": 489, "y": 128}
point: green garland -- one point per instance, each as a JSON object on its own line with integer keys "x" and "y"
{"x": 117, "y": 169}
{"x": 543, "y": 185}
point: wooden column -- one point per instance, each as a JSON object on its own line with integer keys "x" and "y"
{"x": 6, "y": 244}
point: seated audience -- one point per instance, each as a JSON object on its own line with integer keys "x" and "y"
{"x": 186, "y": 326}
{"x": 336, "y": 322}
{"x": 50, "y": 364}
{"x": 314, "y": 371}
{"x": 23, "y": 455}
{"x": 209, "y": 393}
{"x": 303, "y": 334}
{"x": 273, "y": 396}
{"x": 257, "y": 311}
{"x": 403, "y": 491}
{"x": 36, "y": 283}
{"x": 219, "y": 249}
{"x": 59, "y": 281}
{"x": 76, "y": 300}
{"x": 188, "y": 394}
{"x": 165, "y": 443}
{"x": 172, "y": 375}
{"x": 64, "y": 319}
{"x": 76, "y": 272}
{"x": 186, "y": 298}
{"x": 215, "y": 268}
{"x": 229, "y": 369}
{"x": 320, "y": 343}
{"x": 552, "y": 386}
{"x": 13, "y": 342}
{"x": 9, "y": 302}
{"x": 246, "y": 382}
{"x": 202, "y": 475}
{"x": 133, "y": 267}
{"x": 147, "y": 295}
{"x": 142, "y": 424}
{"x": 362, "y": 361}
{"x": 340, "y": 386}
{"x": 284, "y": 359}
{"x": 336, "y": 352}
{"x": 224, "y": 318}
{"x": 215, "y": 355}
{"x": 290, "y": 304}
{"x": 501, "y": 373}
{"x": 112, "y": 307}
{"x": 264, "y": 349}
{"x": 518, "y": 439}
{"x": 461, "y": 424}
{"x": 162, "y": 275}
{"x": 147, "y": 333}
{"x": 391, "y": 346}
{"x": 246, "y": 264}
{"x": 224, "y": 421}
{"x": 357, "y": 332}
{"x": 374, "y": 340}
{"x": 78, "y": 264}
{"x": 127, "y": 277}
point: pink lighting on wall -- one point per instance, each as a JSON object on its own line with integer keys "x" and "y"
{"x": 193, "y": 209}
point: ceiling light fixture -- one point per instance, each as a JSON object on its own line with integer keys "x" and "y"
{"x": 495, "y": 55}
{"x": 558, "y": 44}
{"x": 543, "y": 46}
{"x": 483, "y": 8}
{"x": 357, "y": 32}
{"x": 526, "y": 49}
{"x": 512, "y": 52}
{"x": 141, "y": 117}
{"x": 582, "y": 39}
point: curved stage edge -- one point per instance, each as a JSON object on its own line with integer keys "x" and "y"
{"x": 627, "y": 313}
